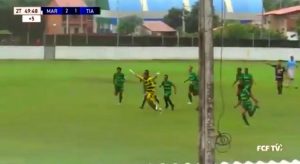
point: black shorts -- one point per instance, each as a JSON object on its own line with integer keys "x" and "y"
{"x": 193, "y": 90}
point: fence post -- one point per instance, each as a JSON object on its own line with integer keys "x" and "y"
{"x": 70, "y": 39}
{"x": 118, "y": 39}
{"x": 178, "y": 39}
{"x": 269, "y": 39}
{"x": 132, "y": 40}
{"x": 86, "y": 38}
{"x": 54, "y": 39}
{"x": 253, "y": 40}
{"x": 192, "y": 41}
{"x": 44, "y": 39}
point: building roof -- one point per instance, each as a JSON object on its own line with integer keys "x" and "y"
{"x": 158, "y": 26}
{"x": 70, "y": 3}
{"x": 284, "y": 11}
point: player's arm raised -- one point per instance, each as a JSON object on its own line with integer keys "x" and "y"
{"x": 156, "y": 75}
{"x": 161, "y": 84}
{"x": 272, "y": 65}
{"x": 136, "y": 75}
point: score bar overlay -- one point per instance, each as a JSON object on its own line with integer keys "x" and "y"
{"x": 71, "y": 10}
{"x": 33, "y": 14}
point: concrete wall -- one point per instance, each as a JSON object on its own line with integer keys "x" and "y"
{"x": 21, "y": 52}
{"x": 146, "y": 53}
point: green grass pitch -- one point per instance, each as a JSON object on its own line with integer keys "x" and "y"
{"x": 64, "y": 112}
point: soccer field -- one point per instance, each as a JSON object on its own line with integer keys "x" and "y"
{"x": 64, "y": 112}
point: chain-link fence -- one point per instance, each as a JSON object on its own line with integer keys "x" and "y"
{"x": 154, "y": 41}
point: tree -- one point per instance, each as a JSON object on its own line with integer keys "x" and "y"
{"x": 192, "y": 19}
{"x": 128, "y": 24}
{"x": 238, "y": 31}
{"x": 14, "y": 23}
{"x": 174, "y": 18}
{"x": 276, "y": 4}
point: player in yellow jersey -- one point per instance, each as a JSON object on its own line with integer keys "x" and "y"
{"x": 149, "y": 88}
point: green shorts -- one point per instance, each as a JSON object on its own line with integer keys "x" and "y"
{"x": 167, "y": 94}
{"x": 119, "y": 89}
{"x": 247, "y": 105}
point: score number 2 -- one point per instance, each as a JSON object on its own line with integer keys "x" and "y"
{"x": 66, "y": 10}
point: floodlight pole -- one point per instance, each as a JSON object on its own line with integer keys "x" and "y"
{"x": 206, "y": 96}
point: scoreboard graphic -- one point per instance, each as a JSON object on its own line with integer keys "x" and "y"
{"x": 33, "y": 14}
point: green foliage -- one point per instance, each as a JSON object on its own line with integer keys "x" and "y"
{"x": 14, "y": 23}
{"x": 174, "y": 19}
{"x": 245, "y": 31}
{"x": 128, "y": 24}
{"x": 277, "y": 4}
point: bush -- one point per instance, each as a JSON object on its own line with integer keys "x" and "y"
{"x": 238, "y": 31}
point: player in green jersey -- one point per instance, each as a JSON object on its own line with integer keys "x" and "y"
{"x": 246, "y": 103}
{"x": 167, "y": 85}
{"x": 118, "y": 81}
{"x": 238, "y": 81}
{"x": 194, "y": 85}
{"x": 247, "y": 79}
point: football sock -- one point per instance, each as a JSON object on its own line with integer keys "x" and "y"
{"x": 144, "y": 101}
{"x": 251, "y": 113}
{"x": 120, "y": 97}
{"x": 190, "y": 97}
{"x": 166, "y": 101}
{"x": 245, "y": 119}
{"x": 156, "y": 99}
{"x": 279, "y": 88}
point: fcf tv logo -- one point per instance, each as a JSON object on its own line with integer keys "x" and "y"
{"x": 272, "y": 148}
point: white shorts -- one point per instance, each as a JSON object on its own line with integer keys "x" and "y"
{"x": 291, "y": 73}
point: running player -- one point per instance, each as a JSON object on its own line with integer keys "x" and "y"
{"x": 118, "y": 81}
{"x": 279, "y": 76}
{"x": 145, "y": 96}
{"x": 247, "y": 79}
{"x": 246, "y": 104}
{"x": 194, "y": 85}
{"x": 150, "y": 89}
{"x": 291, "y": 66}
{"x": 238, "y": 79}
{"x": 168, "y": 91}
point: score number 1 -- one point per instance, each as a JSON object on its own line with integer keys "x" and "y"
{"x": 71, "y": 11}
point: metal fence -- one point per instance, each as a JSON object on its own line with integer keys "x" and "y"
{"x": 154, "y": 41}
